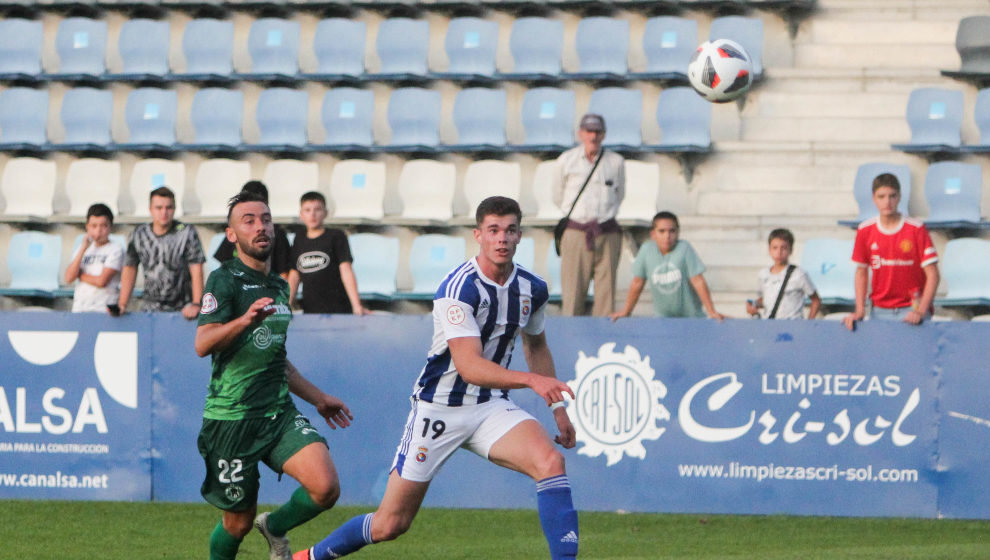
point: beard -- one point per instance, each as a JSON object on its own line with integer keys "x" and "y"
{"x": 259, "y": 253}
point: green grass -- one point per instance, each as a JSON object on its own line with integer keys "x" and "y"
{"x": 132, "y": 531}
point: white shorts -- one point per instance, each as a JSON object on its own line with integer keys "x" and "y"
{"x": 433, "y": 432}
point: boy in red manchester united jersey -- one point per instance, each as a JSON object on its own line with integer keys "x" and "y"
{"x": 900, "y": 254}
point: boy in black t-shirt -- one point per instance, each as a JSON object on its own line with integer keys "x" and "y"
{"x": 321, "y": 260}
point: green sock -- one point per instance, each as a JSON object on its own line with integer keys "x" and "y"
{"x": 299, "y": 509}
{"x": 223, "y": 545}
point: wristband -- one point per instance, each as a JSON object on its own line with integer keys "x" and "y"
{"x": 556, "y": 405}
{"x": 196, "y": 303}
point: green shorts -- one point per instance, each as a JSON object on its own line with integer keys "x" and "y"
{"x": 233, "y": 448}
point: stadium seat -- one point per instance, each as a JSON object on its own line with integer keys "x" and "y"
{"x": 149, "y": 174}
{"x": 973, "y": 45}
{"x": 348, "y": 117}
{"x": 426, "y": 189}
{"x": 828, "y": 263}
{"x": 28, "y": 186}
{"x": 954, "y": 191}
{"x": 525, "y": 253}
{"x": 553, "y": 273}
{"x": 668, "y": 42}
{"x": 747, "y": 31}
{"x": 287, "y": 180}
{"x": 479, "y": 117}
{"x": 537, "y": 45}
{"x": 966, "y": 272}
{"x": 546, "y": 211}
{"x": 934, "y": 116}
{"x": 91, "y": 180}
{"x": 81, "y": 45}
{"x": 685, "y": 120}
{"x": 216, "y": 116}
{"x": 33, "y": 259}
{"x": 23, "y": 119}
{"x": 376, "y": 264}
{"x": 414, "y": 118}
{"x": 216, "y": 181}
{"x": 486, "y": 178}
{"x": 402, "y": 45}
{"x": 273, "y": 45}
{"x": 642, "y": 190}
{"x": 547, "y": 120}
{"x": 863, "y": 190}
{"x": 211, "y": 262}
{"x": 602, "y": 45}
{"x": 470, "y": 45}
{"x": 431, "y": 257}
{"x": 981, "y": 115}
{"x": 357, "y": 190}
{"x": 623, "y": 112}
{"x": 21, "y": 41}
{"x": 208, "y": 47}
{"x": 143, "y": 46}
{"x": 339, "y": 49}
{"x": 150, "y": 114}
{"x": 86, "y": 116}
{"x": 282, "y": 117}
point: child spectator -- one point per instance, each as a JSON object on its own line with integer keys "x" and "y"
{"x": 674, "y": 272}
{"x": 97, "y": 265}
{"x": 783, "y": 276}
{"x": 322, "y": 263}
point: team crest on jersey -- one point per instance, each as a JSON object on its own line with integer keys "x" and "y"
{"x": 209, "y": 304}
{"x": 455, "y": 315}
{"x": 617, "y": 403}
{"x": 234, "y": 493}
{"x": 906, "y": 245}
{"x": 421, "y": 455}
{"x": 525, "y": 303}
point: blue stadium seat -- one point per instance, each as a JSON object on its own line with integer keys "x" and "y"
{"x": 602, "y": 45}
{"x": 357, "y": 190}
{"x": 348, "y": 119}
{"x": 339, "y": 48}
{"x": 935, "y": 118}
{"x": 668, "y": 42}
{"x": 23, "y": 119}
{"x": 208, "y": 46}
{"x": 685, "y": 120}
{"x": 282, "y": 117}
{"x": 414, "y": 117}
{"x": 211, "y": 262}
{"x": 33, "y": 259}
{"x": 863, "y": 190}
{"x": 216, "y": 116}
{"x": 143, "y": 47}
{"x": 376, "y": 264}
{"x": 403, "y": 46}
{"x": 431, "y": 257}
{"x": 81, "y": 45}
{"x": 623, "y": 112}
{"x": 536, "y": 44}
{"x": 954, "y": 191}
{"x": 966, "y": 272}
{"x": 479, "y": 117}
{"x": 553, "y": 273}
{"x": 828, "y": 263}
{"x": 973, "y": 46}
{"x": 20, "y": 49}
{"x": 747, "y": 31}
{"x": 547, "y": 120}
{"x": 150, "y": 114}
{"x": 273, "y": 45}
{"x": 525, "y": 253}
{"x": 981, "y": 114}
{"x": 86, "y": 115}
{"x": 28, "y": 187}
{"x": 470, "y": 44}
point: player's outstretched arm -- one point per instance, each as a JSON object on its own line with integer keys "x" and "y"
{"x": 215, "y": 337}
{"x": 477, "y": 370}
{"x": 540, "y": 362}
{"x": 332, "y": 409}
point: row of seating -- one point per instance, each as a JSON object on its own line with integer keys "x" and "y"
{"x": 522, "y": 5}
{"x": 347, "y": 115}
{"x": 935, "y": 117}
{"x": 402, "y": 46}
{"x": 973, "y": 46}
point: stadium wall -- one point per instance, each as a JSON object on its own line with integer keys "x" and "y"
{"x": 740, "y": 417}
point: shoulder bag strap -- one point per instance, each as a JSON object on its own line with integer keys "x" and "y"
{"x": 780, "y": 294}
{"x": 601, "y": 152}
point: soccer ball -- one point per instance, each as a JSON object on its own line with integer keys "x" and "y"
{"x": 720, "y": 70}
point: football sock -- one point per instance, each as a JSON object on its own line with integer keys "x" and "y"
{"x": 349, "y": 537}
{"x": 223, "y": 545}
{"x": 299, "y": 509}
{"x": 557, "y": 516}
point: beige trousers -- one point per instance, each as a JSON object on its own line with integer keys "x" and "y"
{"x": 578, "y": 266}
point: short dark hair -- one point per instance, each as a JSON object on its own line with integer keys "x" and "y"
{"x": 886, "y": 180}
{"x": 100, "y": 210}
{"x": 497, "y": 206}
{"x": 782, "y": 234}
{"x": 163, "y": 192}
{"x": 665, "y": 215}
{"x": 313, "y": 195}
{"x": 241, "y": 197}
{"x": 256, "y": 187}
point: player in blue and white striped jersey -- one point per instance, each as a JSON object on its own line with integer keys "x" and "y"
{"x": 461, "y": 398}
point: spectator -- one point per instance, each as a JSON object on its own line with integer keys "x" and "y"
{"x": 322, "y": 263}
{"x": 783, "y": 277}
{"x": 172, "y": 257}
{"x": 281, "y": 263}
{"x": 96, "y": 265}
{"x": 591, "y": 244}
{"x": 900, "y": 252}
{"x": 666, "y": 262}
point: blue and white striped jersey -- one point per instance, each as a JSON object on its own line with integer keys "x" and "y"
{"x": 468, "y": 304}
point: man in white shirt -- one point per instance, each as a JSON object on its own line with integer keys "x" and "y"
{"x": 591, "y": 244}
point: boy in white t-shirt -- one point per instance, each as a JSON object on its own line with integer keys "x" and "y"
{"x": 798, "y": 286}
{"x": 97, "y": 265}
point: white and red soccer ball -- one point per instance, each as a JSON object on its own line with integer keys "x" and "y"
{"x": 720, "y": 70}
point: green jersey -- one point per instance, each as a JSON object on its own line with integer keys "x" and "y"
{"x": 249, "y": 375}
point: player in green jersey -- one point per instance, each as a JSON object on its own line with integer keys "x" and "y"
{"x": 249, "y": 415}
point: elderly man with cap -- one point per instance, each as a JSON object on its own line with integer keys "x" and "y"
{"x": 591, "y": 244}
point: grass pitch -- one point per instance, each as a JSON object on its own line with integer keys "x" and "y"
{"x": 131, "y": 531}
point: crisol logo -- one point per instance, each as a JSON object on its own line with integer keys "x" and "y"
{"x": 617, "y": 403}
